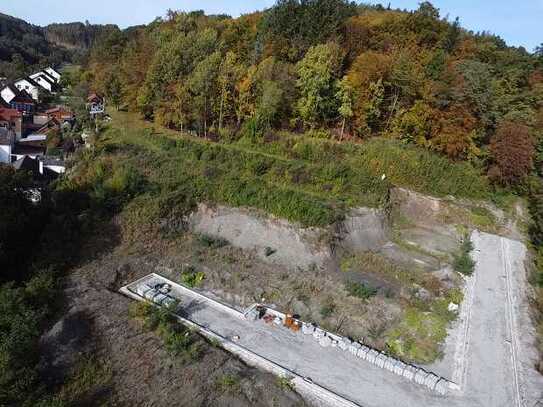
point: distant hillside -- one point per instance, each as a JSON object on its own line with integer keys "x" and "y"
{"x": 25, "y": 47}
{"x": 77, "y": 35}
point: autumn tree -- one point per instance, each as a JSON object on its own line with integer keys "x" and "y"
{"x": 512, "y": 152}
{"x": 367, "y": 77}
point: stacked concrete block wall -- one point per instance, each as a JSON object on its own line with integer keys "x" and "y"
{"x": 373, "y": 356}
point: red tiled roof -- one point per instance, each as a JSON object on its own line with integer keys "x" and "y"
{"x": 58, "y": 109}
{"x": 8, "y": 114}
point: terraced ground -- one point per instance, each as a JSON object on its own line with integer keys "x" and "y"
{"x": 312, "y": 181}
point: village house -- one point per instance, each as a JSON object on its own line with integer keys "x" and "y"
{"x": 33, "y": 146}
{"x": 46, "y": 82}
{"x": 10, "y": 131}
{"x": 95, "y": 104}
{"x": 53, "y": 73}
{"x": 23, "y": 103}
{"x": 30, "y": 86}
{"x": 60, "y": 113}
{"x": 11, "y": 121}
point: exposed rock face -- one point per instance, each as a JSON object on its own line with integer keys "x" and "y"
{"x": 425, "y": 225}
{"x": 281, "y": 242}
{"x": 430, "y": 221}
{"x": 275, "y": 240}
{"x": 363, "y": 230}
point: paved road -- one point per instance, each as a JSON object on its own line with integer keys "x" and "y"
{"x": 497, "y": 371}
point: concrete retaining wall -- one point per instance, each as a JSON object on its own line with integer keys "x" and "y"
{"x": 312, "y": 392}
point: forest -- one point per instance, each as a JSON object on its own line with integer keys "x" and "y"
{"x": 336, "y": 70}
{"x": 25, "y": 47}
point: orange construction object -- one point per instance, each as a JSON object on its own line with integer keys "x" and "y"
{"x": 289, "y": 321}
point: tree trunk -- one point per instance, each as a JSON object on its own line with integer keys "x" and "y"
{"x": 220, "y": 111}
{"x": 205, "y": 116}
{"x": 342, "y": 129}
{"x": 396, "y": 96}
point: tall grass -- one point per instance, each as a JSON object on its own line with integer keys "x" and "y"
{"x": 306, "y": 180}
{"x": 406, "y": 166}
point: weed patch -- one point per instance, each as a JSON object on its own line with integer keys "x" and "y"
{"x": 360, "y": 290}
{"x": 192, "y": 278}
{"x": 178, "y": 340}
{"x": 229, "y": 383}
{"x": 463, "y": 263}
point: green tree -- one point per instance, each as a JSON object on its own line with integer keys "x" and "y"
{"x": 345, "y": 96}
{"x": 269, "y": 104}
{"x": 203, "y": 85}
{"x": 317, "y": 81}
{"x": 478, "y": 90}
{"x": 292, "y": 26}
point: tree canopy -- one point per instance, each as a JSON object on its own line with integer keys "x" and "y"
{"x": 354, "y": 71}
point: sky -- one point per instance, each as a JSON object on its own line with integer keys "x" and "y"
{"x": 519, "y": 22}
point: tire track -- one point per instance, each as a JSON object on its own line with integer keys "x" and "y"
{"x": 511, "y": 322}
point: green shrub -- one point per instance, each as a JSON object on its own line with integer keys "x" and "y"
{"x": 212, "y": 242}
{"x": 360, "y": 290}
{"x": 285, "y": 383}
{"x": 228, "y": 383}
{"x": 463, "y": 263}
{"x": 178, "y": 340}
{"x": 192, "y": 278}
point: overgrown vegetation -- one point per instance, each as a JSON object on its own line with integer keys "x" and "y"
{"x": 295, "y": 178}
{"x": 463, "y": 263}
{"x": 360, "y": 290}
{"x": 536, "y": 235}
{"x": 419, "y": 331}
{"x": 179, "y": 340}
{"x": 24, "y": 310}
{"x": 422, "y": 330}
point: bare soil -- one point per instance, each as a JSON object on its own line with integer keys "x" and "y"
{"x": 96, "y": 327}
